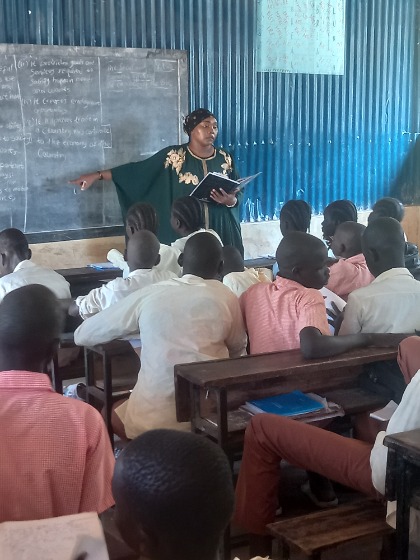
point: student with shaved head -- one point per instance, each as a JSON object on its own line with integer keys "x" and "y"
{"x": 350, "y": 272}
{"x": 236, "y": 276}
{"x": 142, "y": 257}
{"x": 174, "y": 496}
{"x": 275, "y": 313}
{"x": 390, "y": 303}
{"x": 187, "y": 319}
{"x": 57, "y": 458}
{"x": 17, "y": 268}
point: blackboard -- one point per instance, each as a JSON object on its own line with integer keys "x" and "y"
{"x": 71, "y": 110}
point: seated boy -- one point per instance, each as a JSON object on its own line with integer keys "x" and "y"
{"x": 388, "y": 304}
{"x": 188, "y": 319}
{"x": 57, "y": 458}
{"x": 357, "y": 464}
{"x": 16, "y": 268}
{"x": 173, "y": 496}
{"x": 350, "y": 271}
{"x": 275, "y": 313}
{"x": 142, "y": 256}
{"x": 235, "y": 275}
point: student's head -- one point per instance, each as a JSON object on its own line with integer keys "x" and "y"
{"x": 295, "y": 215}
{"x": 202, "y": 256}
{"x": 383, "y": 245}
{"x": 347, "y": 239}
{"x": 387, "y": 207}
{"x": 233, "y": 261}
{"x": 173, "y": 495}
{"x": 187, "y": 215}
{"x": 31, "y": 321}
{"x": 142, "y": 250}
{"x": 201, "y": 127}
{"x": 13, "y": 250}
{"x": 303, "y": 258}
{"x": 141, "y": 215}
{"x": 336, "y": 213}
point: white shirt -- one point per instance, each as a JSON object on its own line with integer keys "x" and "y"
{"x": 181, "y": 320}
{"x": 179, "y": 244}
{"x": 168, "y": 260}
{"x": 390, "y": 304}
{"x": 406, "y": 417}
{"x": 112, "y": 292}
{"x": 239, "y": 282}
{"x": 27, "y": 272}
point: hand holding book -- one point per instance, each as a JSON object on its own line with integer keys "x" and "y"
{"x": 218, "y": 182}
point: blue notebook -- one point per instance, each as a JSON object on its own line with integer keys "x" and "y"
{"x": 103, "y": 266}
{"x": 288, "y": 404}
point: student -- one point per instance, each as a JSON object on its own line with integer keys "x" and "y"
{"x": 173, "y": 496}
{"x": 187, "y": 219}
{"x": 142, "y": 216}
{"x": 350, "y": 271}
{"x": 389, "y": 303}
{"x": 57, "y": 458}
{"x": 16, "y": 268}
{"x": 142, "y": 258}
{"x": 275, "y": 313}
{"x": 357, "y": 464}
{"x": 295, "y": 215}
{"x": 186, "y": 319}
{"x": 335, "y": 214}
{"x": 387, "y": 207}
{"x": 235, "y": 276}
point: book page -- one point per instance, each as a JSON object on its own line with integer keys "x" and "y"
{"x": 61, "y": 538}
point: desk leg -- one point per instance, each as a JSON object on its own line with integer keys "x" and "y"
{"x": 195, "y": 407}
{"x": 107, "y": 370}
{"x": 222, "y": 423}
{"x": 403, "y": 494}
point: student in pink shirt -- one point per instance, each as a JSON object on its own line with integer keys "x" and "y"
{"x": 275, "y": 313}
{"x": 350, "y": 271}
{"x": 57, "y": 457}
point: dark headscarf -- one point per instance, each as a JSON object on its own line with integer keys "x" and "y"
{"x": 195, "y": 118}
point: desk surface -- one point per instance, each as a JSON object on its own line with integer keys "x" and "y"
{"x": 224, "y": 373}
{"x": 88, "y": 274}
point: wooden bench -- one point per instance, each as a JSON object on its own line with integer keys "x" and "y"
{"x": 206, "y": 391}
{"x": 343, "y": 533}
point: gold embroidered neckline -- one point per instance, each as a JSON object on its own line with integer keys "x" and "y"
{"x": 202, "y": 159}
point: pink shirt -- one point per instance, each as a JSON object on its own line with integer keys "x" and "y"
{"x": 56, "y": 455}
{"x": 349, "y": 274}
{"x": 275, "y": 313}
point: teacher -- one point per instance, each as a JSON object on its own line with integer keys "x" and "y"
{"x": 174, "y": 172}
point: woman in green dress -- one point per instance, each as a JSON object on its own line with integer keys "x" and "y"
{"x": 174, "y": 172}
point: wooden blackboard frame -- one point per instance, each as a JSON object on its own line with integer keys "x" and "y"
{"x": 160, "y": 58}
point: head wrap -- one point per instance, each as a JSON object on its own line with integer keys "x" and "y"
{"x": 195, "y": 118}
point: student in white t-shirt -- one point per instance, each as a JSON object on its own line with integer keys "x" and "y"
{"x": 142, "y": 260}
{"x": 143, "y": 216}
{"x": 17, "y": 269}
{"x": 187, "y": 219}
{"x": 235, "y": 276}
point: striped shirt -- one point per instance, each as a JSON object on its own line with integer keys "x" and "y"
{"x": 275, "y": 313}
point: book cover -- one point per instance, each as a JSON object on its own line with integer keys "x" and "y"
{"x": 215, "y": 180}
{"x": 287, "y": 404}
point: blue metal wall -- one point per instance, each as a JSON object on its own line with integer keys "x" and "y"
{"x": 314, "y": 137}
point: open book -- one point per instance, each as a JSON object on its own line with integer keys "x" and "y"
{"x": 70, "y": 537}
{"x": 215, "y": 180}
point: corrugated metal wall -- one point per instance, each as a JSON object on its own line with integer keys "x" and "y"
{"x": 314, "y": 137}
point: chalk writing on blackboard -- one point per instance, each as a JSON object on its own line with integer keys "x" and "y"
{"x": 66, "y": 110}
{"x": 301, "y": 36}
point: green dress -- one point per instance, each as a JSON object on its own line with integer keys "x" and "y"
{"x": 171, "y": 173}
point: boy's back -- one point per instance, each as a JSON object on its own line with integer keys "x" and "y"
{"x": 57, "y": 459}
{"x": 27, "y": 272}
{"x": 275, "y": 314}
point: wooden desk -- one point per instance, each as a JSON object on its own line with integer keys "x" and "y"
{"x": 260, "y": 262}
{"x": 82, "y": 280}
{"x": 211, "y": 389}
{"x": 403, "y": 482}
